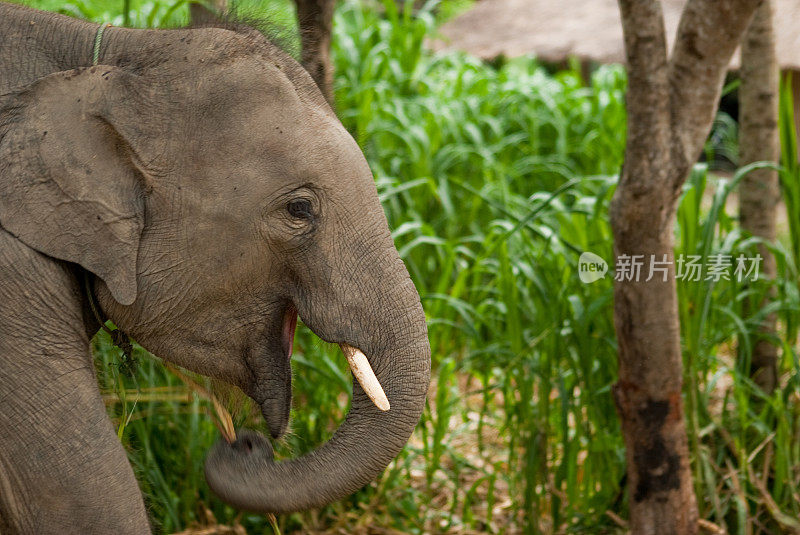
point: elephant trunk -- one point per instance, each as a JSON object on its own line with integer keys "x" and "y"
{"x": 245, "y": 475}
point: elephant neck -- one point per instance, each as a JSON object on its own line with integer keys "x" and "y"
{"x": 34, "y": 44}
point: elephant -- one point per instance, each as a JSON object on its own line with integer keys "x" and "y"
{"x": 195, "y": 184}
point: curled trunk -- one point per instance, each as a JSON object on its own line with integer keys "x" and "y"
{"x": 246, "y": 476}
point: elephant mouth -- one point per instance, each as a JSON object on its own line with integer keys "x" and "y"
{"x": 269, "y": 362}
{"x": 275, "y": 398}
{"x": 358, "y": 362}
{"x": 288, "y": 329}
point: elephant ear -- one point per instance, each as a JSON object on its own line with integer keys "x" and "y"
{"x": 69, "y": 186}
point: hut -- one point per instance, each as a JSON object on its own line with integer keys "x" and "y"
{"x": 590, "y": 30}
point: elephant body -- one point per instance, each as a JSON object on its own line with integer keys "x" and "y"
{"x": 202, "y": 183}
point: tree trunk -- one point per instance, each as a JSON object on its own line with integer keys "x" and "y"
{"x": 201, "y": 13}
{"x": 759, "y": 191}
{"x": 315, "y": 20}
{"x": 671, "y": 105}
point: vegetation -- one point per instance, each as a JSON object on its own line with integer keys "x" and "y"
{"x": 495, "y": 178}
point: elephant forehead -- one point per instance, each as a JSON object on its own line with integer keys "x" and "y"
{"x": 305, "y": 139}
{"x": 269, "y": 146}
{"x": 227, "y": 90}
{"x": 251, "y": 127}
{"x": 241, "y": 106}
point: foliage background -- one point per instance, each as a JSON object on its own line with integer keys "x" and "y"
{"x": 494, "y": 179}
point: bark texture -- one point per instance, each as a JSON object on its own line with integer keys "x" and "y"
{"x": 315, "y": 20}
{"x": 759, "y": 191}
{"x": 671, "y": 103}
{"x": 209, "y": 12}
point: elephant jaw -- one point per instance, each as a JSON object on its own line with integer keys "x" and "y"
{"x": 287, "y": 330}
{"x": 275, "y": 395}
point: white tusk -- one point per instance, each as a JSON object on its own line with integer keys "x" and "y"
{"x": 365, "y": 376}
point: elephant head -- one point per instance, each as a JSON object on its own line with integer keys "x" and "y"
{"x": 215, "y": 197}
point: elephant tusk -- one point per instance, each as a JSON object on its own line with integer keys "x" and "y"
{"x": 365, "y": 376}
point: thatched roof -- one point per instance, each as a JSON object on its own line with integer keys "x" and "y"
{"x": 587, "y": 29}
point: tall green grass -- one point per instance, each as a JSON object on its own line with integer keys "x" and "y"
{"x": 746, "y": 465}
{"x": 495, "y": 179}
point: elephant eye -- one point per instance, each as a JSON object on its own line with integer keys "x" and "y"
{"x": 300, "y": 209}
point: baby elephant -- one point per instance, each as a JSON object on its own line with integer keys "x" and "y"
{"x": 201, "y": 184}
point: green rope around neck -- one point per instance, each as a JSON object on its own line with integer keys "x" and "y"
{"x": 98, "y": 39}
{"x": 118, "y": 337}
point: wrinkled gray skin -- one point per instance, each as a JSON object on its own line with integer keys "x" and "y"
{"x": 167, "y": 172}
